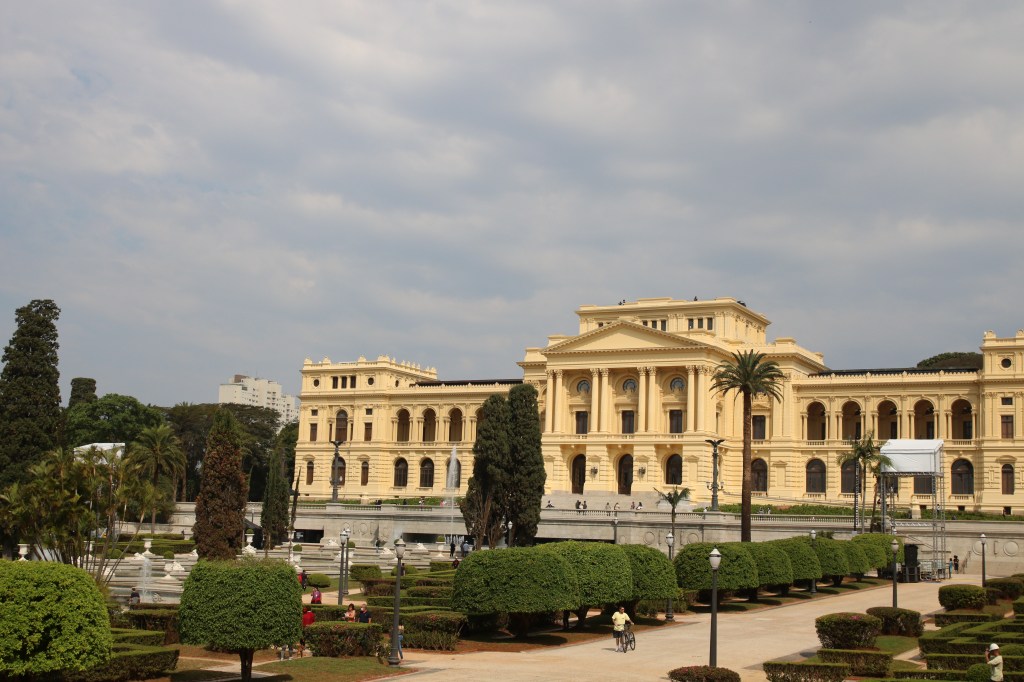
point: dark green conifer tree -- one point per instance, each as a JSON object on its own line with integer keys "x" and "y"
{"x": 483, "y": 506}
{"x": 274, "y": 517}
{"x": 220, "y": 506}
{"x": 83, "y": 390}
{"x": 526, "y": 473}
{"x": 30, "y": 409}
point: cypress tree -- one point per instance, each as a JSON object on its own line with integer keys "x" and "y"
{"x": 83, "y": 390}
{"x": 30, "y": 410}
{"x": 274, "y": 518}
{"x": 484, "y": 504}
{"x": 220, "y": 506}
{"x": 526, "y": 474}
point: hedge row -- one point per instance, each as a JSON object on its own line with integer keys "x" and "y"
{"x": 874, "y": 663}
{"x": 703, "y": 673}
{"x": 778, "y": 671}
{"x": 335, "y": 639}
{"x": 160, "y": 620}
{"x": 902, "y": 622}
{"x": 437, "y": 630}
{"x": 847, "y": 630}
{"x": 130, "y": 662}
{"x": 952, "y": 597}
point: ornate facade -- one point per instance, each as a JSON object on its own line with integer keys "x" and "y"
{"x": 628, "y": 405}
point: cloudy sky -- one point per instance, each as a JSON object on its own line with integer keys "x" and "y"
{"x": 211, "y": 188}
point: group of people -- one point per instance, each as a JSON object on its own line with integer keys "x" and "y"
{"x": 581, "y": 505}
{"x": 954, "y": 564}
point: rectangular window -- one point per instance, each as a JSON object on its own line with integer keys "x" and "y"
{"x": 1007, "y": 423}
{"x": 675, "y": 421}
{"x": 314, "y": 412}
{"x": 312, "y": 433}
{"x": 663, "y": 324}
{"x": 892, "y": 429}
{"x": 929, "y": 430}
{"x": 582, "y": 423}
{"x": 344, "y": 382}
{"x": 334, "y": 382}
{"x": 628, "y": 425}
{"x": 759, "y": 426}
{"x": 700, "y": 323}
{"x": 923, "y": 485}
{"x": 968, "y": 429}
{"x": 711, "y": 323}
{"x": 645, "y": 323}
{"x": 1006, "y": 400}
{"x": 689, "y": 323}
{"x": 369, "y": 410}
{"x": 352, "y": 381}
{"x": 367, "y": 431}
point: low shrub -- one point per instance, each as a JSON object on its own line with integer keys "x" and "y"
{"x": 847, "y": 630}
{"x": 953, "y": 661}
{"x": 436, "y": 566}
{"x": 161, "y": 620}
{"x": 868, "y": 663}
{"x": 409, "y": 570}
{"x": 378, "y": 587}
{"x": 936, "y": 641}
{"x": 328, "y": 612}
{"x": 903, "y": 622}
{"x": 979, "y": 672}
{"x": 1011, "y": 588}
{"x": 361, "y": 572}
{"x": 143, "y": 637}
{"x": 318, "y": 580}
{"x": 345, "y": 639}
{"x": 431, "y": 591}
{"x": 437, "y": 630}
{"x": 993, "y": 595}
{"x": 964, "y": 616}
{"x": 296, "y": 548}
{"x": 778, "y": 671}
{"x": 169, "y": 555}
{"x": 953, "y": 597}
{"x": 703, "y": 673}
{"x": 1018, "y": 607}
{"x": 130, "y": 662}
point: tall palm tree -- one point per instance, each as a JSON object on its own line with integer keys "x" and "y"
{"x": 866, "y": 457}
{"x": 674, "y": 497}
{"x": 157, "y": 452}
{"x": 749, "y": 374}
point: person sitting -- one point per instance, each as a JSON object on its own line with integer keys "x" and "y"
{"x": 639, "y": 505}
{"x": 134, "y": 598}
{"x": 315, "y": 596}
{"x": 364, "y": 615}
{"x": 549, "y": 505}
{"x": 350, "y": 615}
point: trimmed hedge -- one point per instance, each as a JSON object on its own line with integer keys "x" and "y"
{"x": 773, "y": 564}
{"x": 847, "y": 630}
{"x": 855, "y": 558}
{"x": 515, "y": 580}
{"x": 345, "y": 639}
{"x": 876, "y": 548}
{"x": 361, "y": 572}
{"x": 778, "y": 671}
{"x": 873, "y": 663}
{"x": 320, "y": 580}
{"x": 903, "y": 622}
{"x": 438, "y": 630}
{"x": 1010, "y": 588}
{"x": 436, "y": 566}
{"x": 736, "y": 572}
{"x": 603, "y": 571}
{"x": 801, "y": 557}
{"x": 132, "y": 662}
{"x": 52, "y": 618}
{"x": 703, "y": 673}
{"x": 143, "y": 637}
{"x": 1018, "y": 607}
{"x": 654, "y": 577}
{"x": 953, "y": 597}
{"x": 831, "y": 557}
{"x": 431, "y": 591}
{"x": 970, "y": 616}
{"x": 163, "y": 620}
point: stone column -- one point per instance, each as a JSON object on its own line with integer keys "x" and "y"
{"x": 606, "y": 399}
{"x": 549, "y": 403}
{"x": 691, "y": 399}
{"x": 641, "y": 401}
{"x": 653, "y": 405}
{"x": 595, "y": 400}
{"x": 701, "y": 399}
{"x": 558, "y": 392}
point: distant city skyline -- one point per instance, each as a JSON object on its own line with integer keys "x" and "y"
{"x": 212, "y": 188}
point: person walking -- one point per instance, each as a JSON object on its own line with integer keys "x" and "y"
{"x": 619, "y": 620}
{"x": 995, "y": 663}
{"x": 401, "y": 638}
{"x": 451, "y": 552}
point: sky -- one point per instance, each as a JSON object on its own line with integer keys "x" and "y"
{"x": 218, "y": 188}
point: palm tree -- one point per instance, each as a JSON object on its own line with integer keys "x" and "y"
{"x": 866, "y": 457}
{"x": 158, "y": 452}
{"x": 674, "y": 497}
{"x": 749, "y": 374}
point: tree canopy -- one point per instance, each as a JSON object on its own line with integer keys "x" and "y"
{"x": 603, "y": 572}
{"x": 113, "y": 418}
{"x": 953, "y": 360}
{"x": 526, "y": 476}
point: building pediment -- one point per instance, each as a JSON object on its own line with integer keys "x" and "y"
{"x": 623, "y": 336}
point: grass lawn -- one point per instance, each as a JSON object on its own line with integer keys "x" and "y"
{"x": 329, "y": 670}
{"x": 894, "y": 644}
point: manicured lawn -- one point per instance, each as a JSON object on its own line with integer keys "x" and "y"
{"x": 894, "y": 644}
{"x": 329, "y": 670}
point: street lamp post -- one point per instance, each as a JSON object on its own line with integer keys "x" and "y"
{"x": 714, "y": 471}
{"x": 670, "y": 541}
{"x": 334, "y": 469}
{"x": 895, "y": 545}
{"x": 814, "y": 581}
{"x": 983, "y": 575}
{"x": 716, "y": 559}
{"x": 342, "y": 566}
{"x": 399, "y": 552}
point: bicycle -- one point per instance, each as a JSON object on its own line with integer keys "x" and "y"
{"x": 628, "y": 638}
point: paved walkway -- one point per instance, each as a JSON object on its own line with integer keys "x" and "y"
{"x": 745, "y": 640}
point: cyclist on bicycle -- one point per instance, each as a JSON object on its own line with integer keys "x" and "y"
{"x": 619, "y": 620}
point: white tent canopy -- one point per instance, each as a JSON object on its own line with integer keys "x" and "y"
{"x": 917, "y": 457}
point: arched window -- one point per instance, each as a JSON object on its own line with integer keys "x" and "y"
{"x": 1007, "y": 476}
{"x": 815, "y": 476}
{"x": 759, "y": 476}
{"x": 848, "y": 477}
{"x": 579, "y": 474}
{"x": 427, "y": 473}
{"x": 339, "y": 471}
{"x": 401, "y": 473}
{"x": 309, "y": 472}
{"x": 403, "y": 427}
{"x": 455, "y": 426}
{"x": 674, "y": 470}
{"x": 364, "y": 474}
{"x": 962, "y": 474}
{"x": 429, "y": 426}
{"x": 817, "y": 424}
{"x": 625, "y": 475}
{"x": 341, "y": 426}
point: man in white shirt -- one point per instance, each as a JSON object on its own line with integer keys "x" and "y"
{"x": 995, "y": 662}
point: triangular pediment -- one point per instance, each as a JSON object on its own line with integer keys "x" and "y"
{"x": 623, "y": 336}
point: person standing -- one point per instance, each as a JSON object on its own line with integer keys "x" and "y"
{"x": 451, "y": 553}
{"x": 401, "y": 638}
{"x": 950, "y": 573}
{"x": 619, "y": 620}
{"x": 364, "y": 615}
{"x": 308, "y": 618}
{"x": 316, "y": 597}
{"x": 956, "y": 563}
{"x": 995, "y": 663}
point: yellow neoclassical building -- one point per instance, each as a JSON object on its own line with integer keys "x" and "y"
{"x": 627, "y": 407}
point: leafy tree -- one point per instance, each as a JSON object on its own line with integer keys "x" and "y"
{"x": 603, "y": 573}
{"x": 83, "y": 390}
{"x": 955, "y": 360}
{"x": 274, "y": 517}
{"x": 483, "y": 505}
{"x": 674, "y": 497}
{"x": 736, "y": 572}
{"x": 653, "y": 575}
{"x": 113, "y": 418}
{"x": 220, "y": 506}
{"x": 855, "y": 558}
{"x": 801, "y": 557}
{"x": 30, "y": 411}
{"x": 773, "y": 566}
{"x": 54, "y": 620}
{"x": 749, "y": 374}
{"x": 866, "y": 457}
{"x": 156, "y": 453}
{"x": 831, "y": 557}
{"x": 191, "y": 423}
{"x": 519, "y": 581}
{"x": 526, "y": 474}
{"x": 241, "y": 607}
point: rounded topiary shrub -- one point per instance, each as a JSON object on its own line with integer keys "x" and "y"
{"x": 603, "y": 572}
{"x": 855, "y": 558}
{"x": 736, "y": 572}
{"x": 653, "y": 574}
{"x": 53, "y": 619}
{"x": 871, "y": 544}
{"x": 318, "y": 580}
{"x": 978, "y": 672}
{"x": 847, "y": 630}
{"x": 831, "y": 557}
{"x": 703, "y": 673}
{"x": 953, "y": 597}
{"x": 801, "y": 557}
{"x": 773, "y": 565}
{"x": 1012, "y": 650}
{"x": 903, "y": 622}
{"x": 1011, "y": 588}
{"x": 361, "y": 572}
